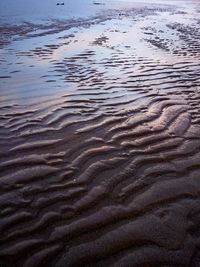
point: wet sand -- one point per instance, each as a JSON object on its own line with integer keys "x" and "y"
{"x": 100, "y": 138}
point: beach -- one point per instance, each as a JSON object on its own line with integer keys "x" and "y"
{"x": 99, "y": 133}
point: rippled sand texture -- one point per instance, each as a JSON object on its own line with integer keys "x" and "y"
{"x": 100, "y": 140}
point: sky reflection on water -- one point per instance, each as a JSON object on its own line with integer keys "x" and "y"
{"x": 20, "y": 10}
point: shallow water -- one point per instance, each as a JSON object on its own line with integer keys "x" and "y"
{"x": 99, "y": 136}
{"x": 41, "y": 10}
{"x": 28, "y": 10}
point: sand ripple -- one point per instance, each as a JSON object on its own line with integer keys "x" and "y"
{"x": 106, "y": 171}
